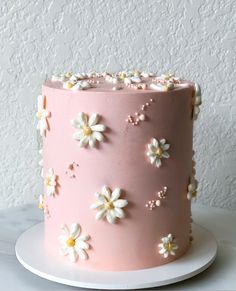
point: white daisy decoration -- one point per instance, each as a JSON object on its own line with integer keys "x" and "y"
{"x": 109, "y": 205}
{"x": 157, "y": 150}
{"x": 42, "y": 115}
{"x": 197, "y": 101}
{"x": 168, "y": 246}
{"x": 50, "y": 182}
{"x": 192, "y": 188}
{"x": 73, "y": 244}
{"x": 88, "y": 131}
{"x": 43, "y": 205}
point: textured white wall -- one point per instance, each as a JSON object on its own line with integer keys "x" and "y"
{"x": 194, "y": 39}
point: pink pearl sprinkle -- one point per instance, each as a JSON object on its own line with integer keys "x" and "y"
{"x": 147, "y": 104}
{"x": 136, "y": 113}
{"x": 151, "y": 100}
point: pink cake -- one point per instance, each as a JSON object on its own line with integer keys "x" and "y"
{"x": 118, "y": 168}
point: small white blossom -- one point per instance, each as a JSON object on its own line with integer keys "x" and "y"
{"x": 50, "y": 182}
{"x": 43, "y": 205}
{"x": 192, "y": 188}
{"x": 157, "y": 150}
{"x": 42, "y": 115}
{"x": 168, "y": 246}
{"x": 89, "y": 132}
{"x": 109, "y": 205}
{"x": 73, "y": 244}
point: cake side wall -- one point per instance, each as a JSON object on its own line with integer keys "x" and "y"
{"x": 121, "y": 161}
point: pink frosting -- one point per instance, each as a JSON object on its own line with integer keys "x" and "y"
{"x": 120, "y": 161}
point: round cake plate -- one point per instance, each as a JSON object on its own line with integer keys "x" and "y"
{"x": 31, "y": 254}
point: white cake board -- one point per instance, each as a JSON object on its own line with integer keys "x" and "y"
{"x": 31, "y": 254}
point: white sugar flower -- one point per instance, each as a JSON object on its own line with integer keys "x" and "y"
{"x": 50, "y": 182}
{"x": 168, "y": 246}
{"x": 109, "y": 205}
{"x": 89, "y": 132}
{"x": 43, "y": 205}
{"x": 157, "y": 150}
{"x": 42, "y": 115}
{"x": 74, "y": 244}
{"x": 197, "y": 101}
{"x": 192, "y": 188}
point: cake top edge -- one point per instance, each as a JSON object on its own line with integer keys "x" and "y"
{"x": 128, "y": 81}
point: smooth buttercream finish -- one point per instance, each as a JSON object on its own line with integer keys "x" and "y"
{"x": 121, "y": 161}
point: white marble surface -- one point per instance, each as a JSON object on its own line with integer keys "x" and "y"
{"x": 220, "y": 276}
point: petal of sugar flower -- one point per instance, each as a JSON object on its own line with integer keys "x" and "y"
{"x": 80, "y": 244}
{"x": 166, "y": 255}
{"x": 153, "y": 159}
{"x": 115, "y": 194}
{"x": 172, "y": 253}
{"x": 102, "y": 198}
{"x": 82, "y": 254}
{"x": 154, "y": 142}
{"x": 65, "y": 228}
{"x": 83, "y": 142}
{"x": 162, "y": 251}
{"x": 165, "y": 146}
{"x": 158, "y": 163}
{"x": 111, "y": 216}
{"x": 96, "y": 205}
{"x": 73, "y": 256}
{"x": 74, "y": 230}
{"x": 162, "y": 141}
{"x": 119, "y": 212}
{"x": 92, "y": 141}
{"x": 82, "y": 118}
{"x": 152, "y": 148}
{"x": 120, "y": 203}
{"x": 93, "y": 119}
{"x": 98, "y": 136}
{"x": 106, "y": 191}
{"x": 62, "y": 239}
{"x": 83, "y": 237}
{"x": 78, "y": 135}
{"x": 101, "y": 214}
{"x": 98, "y": 127}
{"x": 40, "y": 102}
{"x": 165, "y": 155}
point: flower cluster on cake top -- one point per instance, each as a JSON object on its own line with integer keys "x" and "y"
{"x": 133, "y": 79}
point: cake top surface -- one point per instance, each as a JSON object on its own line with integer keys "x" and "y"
{"x": 123, "y": 81}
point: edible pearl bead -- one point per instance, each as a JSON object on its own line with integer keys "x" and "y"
{"x": 158, "y": 203}
{"x": 142, "y": 117}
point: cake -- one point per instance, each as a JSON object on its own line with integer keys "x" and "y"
{"x": 118, "y": 169}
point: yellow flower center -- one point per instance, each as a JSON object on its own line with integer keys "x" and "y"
{"x": 48, "y": 182}
{"x": 40, "y": 206}
{"x": 194, "y": 194}
{"x": 39, "y": 115}
{"x": 109, "y": 205}
{"x": 169, "y": 247}
{"x": 159, "y": 152}
{"x": 87, "y": 130}
{"x": 122, "y": 76}
{"x": 70, "y": 242}
{"x": 69, "y": 85}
